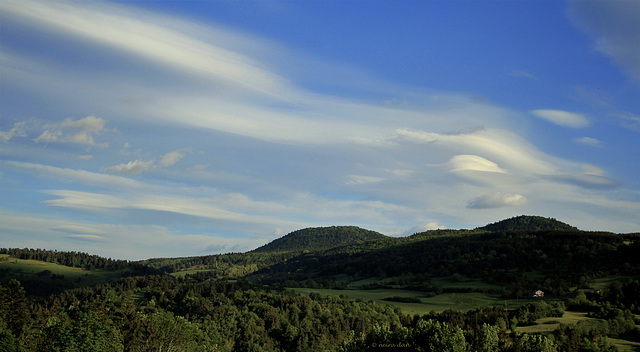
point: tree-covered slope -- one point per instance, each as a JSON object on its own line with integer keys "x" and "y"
{"x": 43, "y": 272}
{"x": 527, "y": 223}
{"x": 319, "y": 238}
{"x": 516, "y": 260}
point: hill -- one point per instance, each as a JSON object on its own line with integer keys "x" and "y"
{"x": 42, "y": 272}
{"x": 320, "y": 238}
{"x": 516, "y": 261}
{"x": 527, "y": 223}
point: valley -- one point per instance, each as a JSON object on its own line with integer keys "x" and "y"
{"x": 523, "y": 284}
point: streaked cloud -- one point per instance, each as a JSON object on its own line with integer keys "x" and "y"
{"x": 592, "y": 142}
{"x": 497, "y": 200}
{"x": 171, "y": 158}
{"x": 361, "y": 179}
{"x": 86, "y": 237}
{"x": 132, "y": 242}
{"x": 615, "y": 28}
{"x": 131, "y": 168}
{"x": 159, "y": 38}
{"x": 562, "y": 118}
{"x": 630, "y": 121}
{"x": 212, "y": 140}
{"x": 72, "y": 175}
{"x": 136, "y": 167}
{"x": 19, "y": 129}
{"x": 591, "y": 177}
{"x": 424, "y": 227}
{"x": 525, "y": 74}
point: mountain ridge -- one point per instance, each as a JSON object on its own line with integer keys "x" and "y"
{"x": 320, "y": 238}
{"x": 527, "y": 223}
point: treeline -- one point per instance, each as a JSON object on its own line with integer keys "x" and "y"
{"x": 173, "y": 314}
{"x": 78, "y": 260}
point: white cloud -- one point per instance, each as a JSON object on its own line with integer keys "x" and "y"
{"x": 497, "y": 200}
{"x": 155, "y": 37}
{"x": 136, "y": 167}
{"x": 519, "y": 73}
{"x": 592, "y": 169}
{"x": 87, "y": 237}
{"x": 562, "y": 118}
{"x": 132, "y": 242}
{"x": 19, "y": 129}
{"x": 587, "y": 180}
{"x": 591, "y": 177}
{"x": 629, "y": 121}
{"x": 78, "y": 229}
{"x": 209, "y": 208}
{"x": 473, "y": 163}
{"x": 495, "y": 145}
{"x": 424, "y": 227}
{"x": 73, "y": 175}
{"x": 616, "y": 29}
{"x": 80, "y": 131}
{"x": 361, "y": 179}
{"x": 592, "y": 142}
{"x": 264, "y": 141}
{"x": 131, "y": 168}
{"x": 198, "y": 168}
{"x": 171, "y": 158}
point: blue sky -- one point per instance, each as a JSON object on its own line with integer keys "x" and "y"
{"x": 180, "y": 128}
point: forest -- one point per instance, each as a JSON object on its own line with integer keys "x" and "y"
{"x": 249, "y": 302}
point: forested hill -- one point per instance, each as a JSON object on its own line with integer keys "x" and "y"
{"x": 527, "y": 223}
{"x": 320, "y": 238}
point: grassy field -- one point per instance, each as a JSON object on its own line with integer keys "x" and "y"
{"x": 546, "y": 325}
{"x": 624, "y": 345}
{"x": 602, "y": 283}
{"x": 67, "y": 277}
{"x": 438, "y": 303}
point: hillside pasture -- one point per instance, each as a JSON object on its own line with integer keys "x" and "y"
{"x": 50, "y": 276}
{"x": 547, "y": 325}
{"x": 438, "y": 303}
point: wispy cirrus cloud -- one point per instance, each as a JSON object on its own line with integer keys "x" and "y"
{"x": 497, "y": 200}
{"x": 615, "y": 27}
{"x": 161, "y": 39}
{"x": 525, "y": 74}
{"x": 261, "y": 140}
{"x": 131, "y": 168}
{"x": 136, "y": 167}
{"x": 123, "y": 241}
{"x": 19, "y": 129}
{"x": 590, "y": 141}
{"x": 562, "y": 118}
{"x": 73, "y": 175}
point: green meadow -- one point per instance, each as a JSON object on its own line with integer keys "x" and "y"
{"x": 51, "y": 273}
{"x": 548, "y": 325}
{"x": 438, "y": 303}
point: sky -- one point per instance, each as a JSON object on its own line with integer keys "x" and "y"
{"x": 140, "y": 129}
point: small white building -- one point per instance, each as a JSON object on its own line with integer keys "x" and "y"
{"x": 537, "y": 294}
